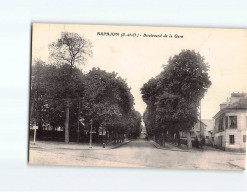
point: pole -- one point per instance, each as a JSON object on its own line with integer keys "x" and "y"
{"x": 67, "y": 123}
{"x": 90, "y": 143}
{"x": 78, "y": 124}
{"x": 34, "y": 136}
{"x": 200, "y": 141}
{"x": 200, "y": 117}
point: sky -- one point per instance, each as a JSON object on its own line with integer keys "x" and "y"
{"x": 138, "y": 59}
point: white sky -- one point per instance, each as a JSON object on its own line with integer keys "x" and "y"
{"x": 137, "y": 59}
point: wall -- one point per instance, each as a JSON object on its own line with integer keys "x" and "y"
{"x": 216, "y": 140}
{"x": 239, "y": 145}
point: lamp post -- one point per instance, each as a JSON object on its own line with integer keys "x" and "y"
{"x": 91, "y": 131}
{"x": 200, "y": 116}
{"x": 78, "y": 124}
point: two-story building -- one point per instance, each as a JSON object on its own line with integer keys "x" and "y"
{"x": 231, "y": 124}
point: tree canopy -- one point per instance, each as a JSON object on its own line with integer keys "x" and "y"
{"x": 50, "y": 90}
{"x": 103, "y": 97}
{"x": 70, "y": 48}
{"x": 173, "y": 97}
{"x": 108, "y": 100}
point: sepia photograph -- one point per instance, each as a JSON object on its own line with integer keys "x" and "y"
{"x": 138, "y": 97}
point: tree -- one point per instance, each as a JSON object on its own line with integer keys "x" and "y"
{"x": 108, "y": 101}
{"x": 104, "y": 97}
{"x": 186, "y": 75}
{"x": 134, "y": 124}
{"x": 71, "y": 49}
{"x": 149, "y": 95}
{"x": 49, "y": 90}
{"x": 38, "y": 96}
{"x": 173, "y": 97}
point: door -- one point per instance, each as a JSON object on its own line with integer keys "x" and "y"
{"x": 220, "y": 141}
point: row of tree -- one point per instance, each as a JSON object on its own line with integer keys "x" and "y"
{"x": 62, "y": 96}
{"x": 173, "y": 97}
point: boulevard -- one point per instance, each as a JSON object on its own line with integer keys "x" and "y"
{"x": 137, "y": 153}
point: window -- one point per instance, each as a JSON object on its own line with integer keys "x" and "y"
{"x": 226, "y": 122}
{"x": 244, "y": 138}
{"x": 233, "y": 122}
{"x": 221, "y": 128}
{"x": 231, "y": 137}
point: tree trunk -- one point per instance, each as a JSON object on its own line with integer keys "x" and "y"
{"x": 189, "y": 144}
{"x": 114, "y": 136}
{"x": 97, "y": 132}
{"x": 53, "y": 132}
{"x": 178, "y": 138}
{"x": 106, "y": 136}
{"x": 78, "y": 124}
{"x": 163, "y": 138}
{"x": 67, "y": 123}
{"x": 110, "y": 136}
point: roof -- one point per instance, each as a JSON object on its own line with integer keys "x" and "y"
{"x": 239, "y": 105}
{"x": 242, "y": 103}
{"x": 209, "y": 124}
{"x": 238, "y": 94}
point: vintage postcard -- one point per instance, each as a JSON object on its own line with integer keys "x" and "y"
{"x": 138, "y": 96}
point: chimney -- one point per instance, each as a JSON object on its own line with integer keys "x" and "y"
{"x": 223, "y": 105}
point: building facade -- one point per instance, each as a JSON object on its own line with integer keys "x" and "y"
{"x": 231, "y": 124}
{"x": 198, "y": 131}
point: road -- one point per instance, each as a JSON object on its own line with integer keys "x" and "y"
{"x": 139, "y": 153}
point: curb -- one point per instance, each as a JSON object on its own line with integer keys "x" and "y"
{"x": 114, "y": 147}
{"x": 110, "y": 148}
{"x": 162, "y": 148}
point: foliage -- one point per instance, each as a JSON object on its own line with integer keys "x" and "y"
{"x": 108, "y": 101}
{"x": 49, "y": 92}
{"x": 58, "y": 89}
{"x": 70, "y": 48}
{"x": 173, "y": 97}
{"x": 104, "y": 97}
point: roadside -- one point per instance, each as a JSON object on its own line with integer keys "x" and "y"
{"x": 172, "y": 147}
{"x": 51, "y": 145}
{"x": 137, "y": 153}
{"x": 237, "y": 161}
{"x": 168, "y": 147}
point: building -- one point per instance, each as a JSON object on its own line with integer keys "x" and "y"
{"x": 231, "y": 124}
{"x": 196, "y": 132}
{"x": 208, "y": 133}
